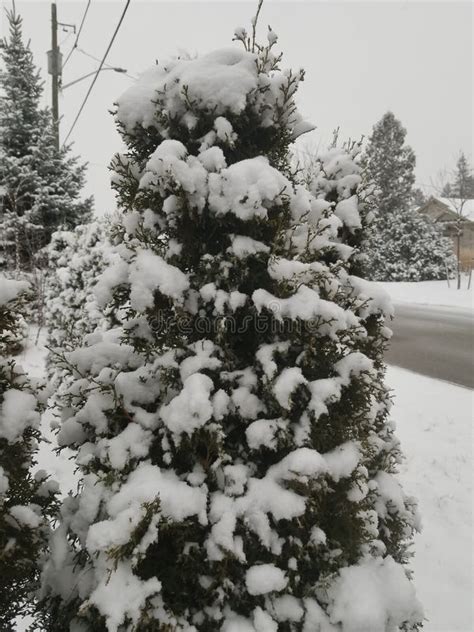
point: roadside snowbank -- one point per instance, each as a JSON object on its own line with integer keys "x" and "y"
{"x": 434, "y": 422}
{"x": 432, "y": 293}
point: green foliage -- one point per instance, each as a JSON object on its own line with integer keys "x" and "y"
{"x": 40, "y": 185}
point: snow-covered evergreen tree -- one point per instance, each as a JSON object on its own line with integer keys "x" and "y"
{"x": 408, "y": 246}
{"x": 76, "y": 260}
{"x": 25, "y": 500}
{"x": 41, "y": 186}
{"x": 462, "y": 186}
{"x": 401, "y": 245}
{"x": 390, "y": 163}
{"x": 239, "y": 464}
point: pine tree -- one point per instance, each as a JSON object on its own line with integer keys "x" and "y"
{"x": 401, "y": 245}
{"x": 463, "y": 185}
{"x": 26, "y": 501}
{"x": 390, "y": 164}
{"x": 419, "y": 198}
{"x": 41, "y": 186}
{"x": 233, "y": 431}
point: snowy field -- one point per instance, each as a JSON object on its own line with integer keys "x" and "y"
{"x": 434, "y": 420}
{"x": 432, "y": 293}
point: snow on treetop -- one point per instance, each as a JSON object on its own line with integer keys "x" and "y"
{"x": 218, "y": 81}
{"x": 225, "y": 81}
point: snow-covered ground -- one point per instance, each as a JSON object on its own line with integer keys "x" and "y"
{"x": 434, "y": 421}
{"x": 432, "y": 293}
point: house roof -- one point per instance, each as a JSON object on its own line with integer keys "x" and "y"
{"x": 452, "y": 205}
{"x": 456, "y": 205}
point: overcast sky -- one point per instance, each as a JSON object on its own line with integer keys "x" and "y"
{"x": 361, "y": 59}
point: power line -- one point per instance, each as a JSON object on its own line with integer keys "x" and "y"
{"x": 74, "y": 46}
{"x": 117, "y": 28}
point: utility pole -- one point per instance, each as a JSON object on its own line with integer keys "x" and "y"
{"x": 54, "y": 69}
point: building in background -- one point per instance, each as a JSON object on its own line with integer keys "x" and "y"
{"x": 457, "y": 217}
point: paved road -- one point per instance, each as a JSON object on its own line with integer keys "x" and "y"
{"x": 434, "y": 341}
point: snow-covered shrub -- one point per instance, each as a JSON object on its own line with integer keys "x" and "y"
{"x": 76, "y": 260}
{"x": 408, "y": 246}
{"x": 239, "y": 465}
{"x": 25, "y": 500}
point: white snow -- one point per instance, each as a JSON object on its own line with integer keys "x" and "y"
{"x": 246, "y": 188}
{"x": 292, "y": 269}
{"x": 270, "y": 495}
{"x": 306, "y": 304}
{"x": 372, "y": 596}
{"x": 342, "y": 461}
{"x": 224, "y": 130}
{"x": 113, "y": 275}
{"x": 288, "y": 380}
{"x": 222, "y": 82}
{"x": 132, "y": 442}
{"x": 375, "y": 296}
{"x": 432, "y": 293}
{"x": 121, "y": 594}
{"x": 262, "y": 432}
{"x": 288, "y": 608}
{"x": 26, "y": 515}
{"x": 434, "y": 424}
{"x": 147, "y": 483}
{"x": 219, "y": 81}
{"x": 212, "y": 159}
{"x": 265, "y": 356}
{"x": 4, "y": 483}
{"x": 59, "y": 466}
{"x": 17, "y": 412}
{"x": 222, "y": 299}
{"x": 192, "y": 408}
{"x": 264, "y": 578}
{"x": 243, "y": 246}
{"x": 248, "y": 404}
{"x": 169, "y": 168}
{"x": 202, "y": 358}
{"x": 148, "y": 273}
{"x": 348, "y": 212}
{"x": 101, "y": 350}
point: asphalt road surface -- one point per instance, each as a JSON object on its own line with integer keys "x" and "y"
{"x": 434, "y": 341}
